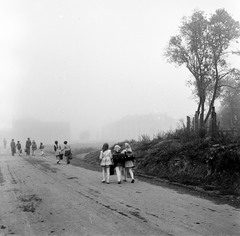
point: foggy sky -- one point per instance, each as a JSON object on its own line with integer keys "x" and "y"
{"x": 93, "y": 62}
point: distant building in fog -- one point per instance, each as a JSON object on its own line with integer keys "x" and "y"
{"x": 41, "y": 131}
{"x": 132, "y": 127}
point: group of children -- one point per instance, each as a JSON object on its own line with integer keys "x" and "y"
{"x": 120, "y": 160}
{"x": 65, "y": 150}
{"x": 17, "y": 147}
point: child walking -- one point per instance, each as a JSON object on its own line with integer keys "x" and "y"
{"x": 118, "y": 160}
{"x": 106, "y": 161}
{"x": 41, "y": 147}
{"x": 19, "y": 148}
{"x": 58, "y": 152}
{"x": 128, "y": 162}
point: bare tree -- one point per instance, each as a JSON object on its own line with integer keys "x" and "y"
{"x": 203, "y": 47}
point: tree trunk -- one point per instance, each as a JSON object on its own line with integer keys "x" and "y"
{"x": 202, "y": 115}
{"x": 214, "y": 95}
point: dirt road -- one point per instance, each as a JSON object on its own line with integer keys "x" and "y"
{"x": 38, "y": 197}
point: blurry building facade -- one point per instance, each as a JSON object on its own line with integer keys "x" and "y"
{"x": 132, "y": 127}
{"x": 40, "y": 131}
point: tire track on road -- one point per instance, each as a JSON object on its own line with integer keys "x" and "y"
{"x": 122, "y": 209}
{"x": 12, "y": 179}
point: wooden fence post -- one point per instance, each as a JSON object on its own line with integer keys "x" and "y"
{"x": 188, "y": 123}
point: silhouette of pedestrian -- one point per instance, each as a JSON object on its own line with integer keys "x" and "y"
{"x": 13, "y": 147}
{"x": 4, "y": 143}
{"x": 19, "y": 148}
{"x": 27, "y": 147}
{"x": 41, "y": 147}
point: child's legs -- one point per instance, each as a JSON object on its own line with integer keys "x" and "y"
{"x": 124, "y": 173}
{"x": 103, "y": 173}
{"x": 107, "y": 173}
{"x": 118, "y": 172}
{"x": 131, "y": 173}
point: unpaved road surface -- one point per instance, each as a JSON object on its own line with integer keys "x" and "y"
{"x": 38, "y": 197}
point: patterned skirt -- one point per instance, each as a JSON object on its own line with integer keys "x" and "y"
{"x": 129, "y": 164}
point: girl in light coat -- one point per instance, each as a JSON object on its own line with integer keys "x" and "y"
{"x": 106, "y": 161}
{"x": 58, "y": 152}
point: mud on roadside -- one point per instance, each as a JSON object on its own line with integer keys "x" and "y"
{"x": 29, "y": 203}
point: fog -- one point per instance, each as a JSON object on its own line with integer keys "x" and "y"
{"x": 91, "y": 63}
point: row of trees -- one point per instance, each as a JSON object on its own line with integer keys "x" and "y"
{"x": 203, "y": 46}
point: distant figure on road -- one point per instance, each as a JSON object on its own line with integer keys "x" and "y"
{"x": 19, "y": 148}
{"x": 58, "y": 152}
{"x": 28, "y": 146}
{"x": 118, "y": 160}
{"x": 129, "y": 162}
{"x": 106, "y": 161}
{"x": 34, "y": 147}
{"x": 41, "y": 147}
{"x": 13, "y": 147}
{"x": 4, "y": 143}
{"x": 67, "y": 151}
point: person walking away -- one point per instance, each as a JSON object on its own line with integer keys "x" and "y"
{"x": 118, "y": 161}
{"x": 28, "y": 146}
{"x": 19, "y": 148}
{"x": 128, "y": 162}
{"x": 41, "y": 147}
{"x": 4, "y": 143}
{"x": 13, "y": 147}
{"x": 58, "y": 152}
{"x": 67, "y": 151}
{"x": 106, "y": 161}
{"x": 34, "y": 147}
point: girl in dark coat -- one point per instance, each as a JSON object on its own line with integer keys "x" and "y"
{"x": 118, "y": 160}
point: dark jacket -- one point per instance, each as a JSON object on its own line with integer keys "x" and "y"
{"x": 118, "y": 158}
